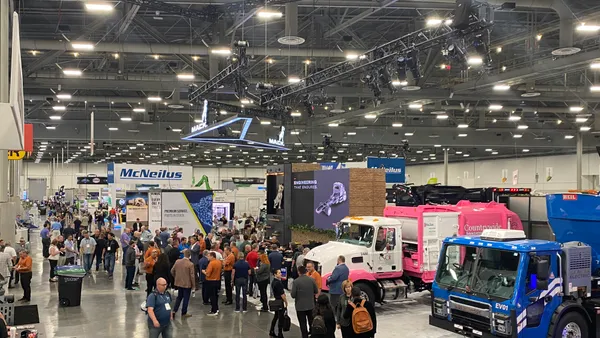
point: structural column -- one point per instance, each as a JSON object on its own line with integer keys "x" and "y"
{"x": 7, "y": 213}
{"x": 446, "y": 166}
{"x": 579, "y": 160}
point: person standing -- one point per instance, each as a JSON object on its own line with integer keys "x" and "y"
{"x": 53, "y": 259}
{"x": 262, "y": 279}
{"x": 202, "y": 265}
{"x": 13, "y": 253}
{"x": 6, "y": 265}
{"x": 77, "y": 223}
{"x": 164, "y": 235}
{"x": 162, "y": 269}
{"x": 129, "y": 262}
{"x": 56, "y": 228}
{"x": 100, "y": 248}
{"x": 355, "y": 302}
{"x": 71, "y": 253}
{"x": 195, "y": 258}
{"x": 304, "y": 290}
{"x": 146, "y": 237}
{"x": 125, "y": 240}
{"x": 213, "y": 279}
{"x": 149, "y": 264}
{"x": 137, "y": 225}
{"x": 252, "y": 260}
{"x": 87, "y": 249}
{"x": 276, "y": 260}
{"x": 344, "y": 324}
{"x": 323, "y": 309}
{"x": 312, "y": 273}
{"x": 24, "y": 269}
{"x": 228, "y": 263}
{"x": 45, "y": 235}
{"x": 241, "y": 272}
{"x": 184, "y": 281}
{"x": 338, "y": 276}
{"x": 279, "y": 294}
{"x": 111, "y": 255}
{"x": 160, "y": 315}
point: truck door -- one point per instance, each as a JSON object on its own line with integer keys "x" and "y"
{"x": 534, "y": 318}
{"x": 387, "y": 253}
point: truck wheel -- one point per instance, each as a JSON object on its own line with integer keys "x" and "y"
{"x": 366, "y": 292}
{"x": 572, "y": 325}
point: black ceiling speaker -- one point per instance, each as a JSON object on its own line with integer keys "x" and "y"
{"x": 462, "y": 11}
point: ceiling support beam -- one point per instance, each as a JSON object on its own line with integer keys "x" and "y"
{"x": 358, "y": 18}
{"x": 241, "y": 21}
{"x": 51, "y": 57}
{"x": 146, "y": 27}
{"x": 127, "y": 20}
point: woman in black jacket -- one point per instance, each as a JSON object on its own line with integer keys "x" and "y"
{"x": 356, "y": 300}
{"x": 162, "y": 268}
{"x": 323, "y": 309}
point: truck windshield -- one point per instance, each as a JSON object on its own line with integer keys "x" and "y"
{"x": 353, "y": 233}
{"x": 490, "y": 273}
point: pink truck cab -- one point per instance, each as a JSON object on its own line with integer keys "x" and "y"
{"x": 392, "y": 255}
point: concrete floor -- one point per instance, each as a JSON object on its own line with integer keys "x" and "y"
{"x": 107, "y": 310}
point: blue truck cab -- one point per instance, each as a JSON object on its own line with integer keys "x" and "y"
{"x": 501, "y": 284}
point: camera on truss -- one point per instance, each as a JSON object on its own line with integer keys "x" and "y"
{"x": 241, "y": 43}
{"x": 264, "y": 86}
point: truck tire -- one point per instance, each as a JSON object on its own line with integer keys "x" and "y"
{"x": 571, "y": 325}
{"x": 366, "y": 292}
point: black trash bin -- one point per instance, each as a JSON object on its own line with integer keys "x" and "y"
{"x": 70, "y": 279}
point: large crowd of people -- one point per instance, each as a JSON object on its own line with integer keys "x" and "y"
{"x": 235, "y": 259}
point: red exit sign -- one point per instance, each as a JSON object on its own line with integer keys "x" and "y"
{"x": 569, "y": 197}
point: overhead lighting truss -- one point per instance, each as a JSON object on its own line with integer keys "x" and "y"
{"x": 406, "y": 46}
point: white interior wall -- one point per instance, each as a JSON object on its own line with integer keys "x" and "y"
{"x": 488, "y": 173}
{"x": 66, "y": 174}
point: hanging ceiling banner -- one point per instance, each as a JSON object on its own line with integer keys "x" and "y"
{"x": 163, "y": 175}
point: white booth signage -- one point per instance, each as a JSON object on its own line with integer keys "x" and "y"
{"x": 165, "y": 175}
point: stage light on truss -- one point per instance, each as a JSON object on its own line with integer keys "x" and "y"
{"x": 433, "y": 22}
{"x": 475, "y": 61}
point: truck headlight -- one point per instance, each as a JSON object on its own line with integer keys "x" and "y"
{"x": 439, "y": 307}
{"x": 502, "y": 324}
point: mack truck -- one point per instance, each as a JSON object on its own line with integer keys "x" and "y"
{"x": 390, "y": 256}
{"x": 500, "y": 284}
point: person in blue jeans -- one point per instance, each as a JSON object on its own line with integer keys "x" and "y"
{"x": 241, "y": 272}
{"x": 87, "y": 248}
{"x": 112, "y": 254}
{"x": 130, "y": 260}
{"x": 160, "y": 315}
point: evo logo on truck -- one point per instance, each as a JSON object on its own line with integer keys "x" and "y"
{"x": 130, "y": 174}
{"x": 502, "y": 307}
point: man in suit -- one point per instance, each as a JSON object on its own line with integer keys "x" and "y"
{"x": 195, "y": 250}
{"x": 137, "y": 225}
{"x": 338, "y": 276}
{"x": 304, "y": 290}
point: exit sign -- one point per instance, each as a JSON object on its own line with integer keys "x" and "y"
{"x": 569, "y": 197}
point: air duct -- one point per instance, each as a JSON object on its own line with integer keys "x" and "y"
{"x": 291, "y": 26}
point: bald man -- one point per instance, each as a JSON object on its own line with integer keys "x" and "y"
{"x": 160, "y": 315}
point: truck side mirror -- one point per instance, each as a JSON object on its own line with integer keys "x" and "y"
{"x": 543, "y": 269}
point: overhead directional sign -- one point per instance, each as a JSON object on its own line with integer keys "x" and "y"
{"x": 16, "y": 155}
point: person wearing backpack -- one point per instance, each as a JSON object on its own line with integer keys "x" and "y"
{"x": 362, "y": 315}
{"x": 160, "y": 316}
{"x": 323, "y": 324}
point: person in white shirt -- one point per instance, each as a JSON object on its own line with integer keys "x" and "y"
{"x": 13, "y": 254}
{"x": 6, "y": 265}
{"x": 87, "y": 249}
{"x": 53, "y": 259}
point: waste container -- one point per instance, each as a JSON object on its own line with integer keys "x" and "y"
{"x": 70, "y": 278}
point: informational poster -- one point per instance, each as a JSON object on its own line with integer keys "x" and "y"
{"x": 504, "y": 177}
{"x": 549, "y": 173}
{"x": 328, "y": 189}
{"x": 136, "y": 206}
{"x": 515, "y": 177}
{"x": 188, "y": 209}
{"x": 155, "y": 211}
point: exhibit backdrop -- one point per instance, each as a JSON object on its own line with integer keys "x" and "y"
{"x": 327, "y": 189}
{"x": 155, "y": 212}
{"x": 136, "y": 206}
{"x": 188, "y": 209}
{"x": 394, "y": 168}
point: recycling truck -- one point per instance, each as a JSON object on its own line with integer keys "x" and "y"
{"x": 500, "y": 284}
{"x": 390, "y": 256}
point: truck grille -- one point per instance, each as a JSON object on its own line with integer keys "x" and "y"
{"x": 470, "y": 313}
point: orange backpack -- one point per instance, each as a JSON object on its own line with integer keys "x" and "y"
{"x": 361, "y": 319}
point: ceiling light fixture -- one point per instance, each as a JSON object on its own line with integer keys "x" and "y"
{"x": 522, "y": 126}
{"x": 265, "y": 123}
{"x": 581, "y": 119}
{"x": 268, "y": 14}
{"x": 333, "y": 124}
{"x": 98, "y": 7}
{"x": 595, "y": 88}
{"x": 475, "y": 61}
{"x": 245, "y": 101}
{"x": 221, "y": 51}
{"x": 462, "y": 135}
{"x": 415, "y": 106}
{"x": 494, "y": 153}
{"x": 501, "y": 87}
{"x": 514, "y": 118}
{"x": 585, "y": 128}
{"x": 409, "y": 134}
{"x": 113, "y": 128}
{"x": 55, "y": 117}
{"x": 495, "y": 107}
{"x": 434, "y": 22}
{"x": 59, "y": 108}
{"x": 126, "y": 119}
{"x": 176, "y": 130}
{"x": 517, "y": 135}
{"x": 441, "y": 117}
{"x": 294, "y": 79}
{"x": 63, "y": 96}
{"x": 50, "y": 127}
{"x": 588, "y": 28}
{"x": 575, "y": 109}
{"x": 568, "y": 137}
{"x": 139, "y": 110}
{"x": 397, "y": 125}
{"x": 186, "y": 76}
{"x": 82, "y": 46}
{"x": 370, "y": 116}
{"x": 72, "y": 72}
{"x": 463, "y": 126}
{"x": 154, "y": 98}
